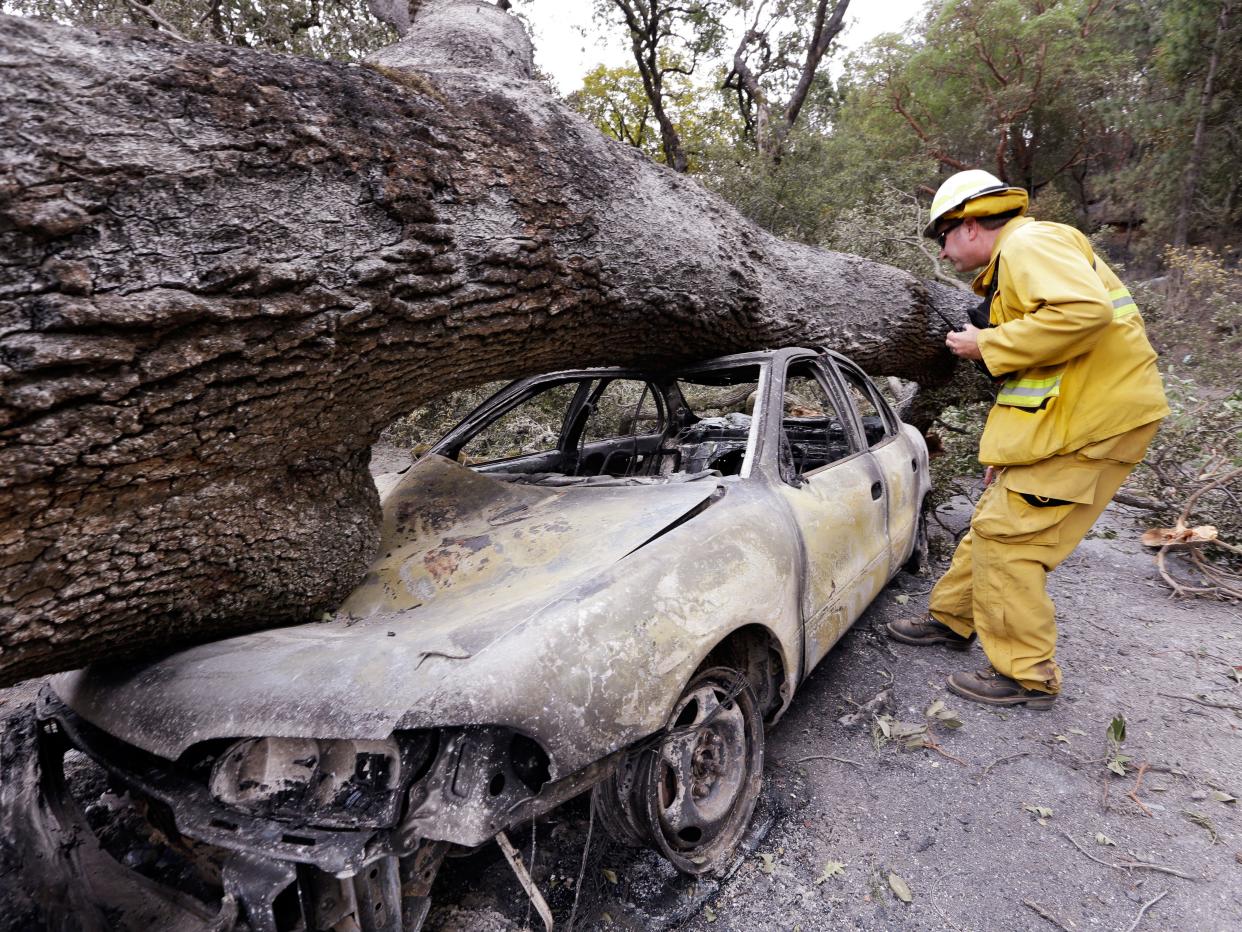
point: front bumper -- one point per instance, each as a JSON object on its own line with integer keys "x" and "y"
{"x": 272, "y": 875}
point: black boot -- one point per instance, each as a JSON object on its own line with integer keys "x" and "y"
{"x": 991, "y": 688}
{"x": 922, "y": 632}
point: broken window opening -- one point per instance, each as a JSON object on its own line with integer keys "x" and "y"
{"x": 813, "y": 434}
{"x": 877, "y": 425}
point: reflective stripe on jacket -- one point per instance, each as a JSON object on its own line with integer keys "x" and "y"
{"x": 1069, "y": 344}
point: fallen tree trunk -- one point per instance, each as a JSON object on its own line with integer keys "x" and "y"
{"x": 222, "y": 273}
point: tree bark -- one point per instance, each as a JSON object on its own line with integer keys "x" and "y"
{"x": 1190, "y": 180}
{"x": 222, "y": 273}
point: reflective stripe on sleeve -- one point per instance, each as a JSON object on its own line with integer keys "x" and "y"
{"x": 1028, "y": 393}
{"x": 1123, "y": 303}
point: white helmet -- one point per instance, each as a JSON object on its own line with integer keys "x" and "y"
{"x": 967, "y": 186}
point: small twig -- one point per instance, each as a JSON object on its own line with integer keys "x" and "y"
{"x": 524, "y": 878}
{"x": 1135, "y": 501}
{"x": 1133, "y": 794}
{"x": 1159, "y": 868}
{"x": 586, "y": 849}
{"x": 1210, "y": 705}
{"x": 1146, "y": 906}
{"x": 1199, "y": 492}
{"x": 949, "y": 922}
{"x": 933, "y": 746}
{"x": 1003, "y": 760}
{"x": 839, "y": 760}
{"x": 1126, "y": 865}
{"x": 1068, "y": 837}
{"x": 956, "y": 430}
{"x": 1044, "y": 914}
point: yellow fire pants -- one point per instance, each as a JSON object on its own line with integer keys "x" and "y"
{"x": 995, "y": 586}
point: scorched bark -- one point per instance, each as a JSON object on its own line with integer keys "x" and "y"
{"x": 222, "y": 273}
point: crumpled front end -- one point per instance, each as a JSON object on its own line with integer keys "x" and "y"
{"x": 275, "y": 834}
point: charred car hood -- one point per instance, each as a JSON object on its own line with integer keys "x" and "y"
{"x": 464, "y": 559}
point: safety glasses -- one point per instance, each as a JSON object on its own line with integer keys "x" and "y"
{"x": 943, "y": 235}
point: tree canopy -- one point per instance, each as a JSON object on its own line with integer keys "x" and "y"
{"x": 1118, "y": 117}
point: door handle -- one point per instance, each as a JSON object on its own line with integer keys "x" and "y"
{"x": 876, "y": 490}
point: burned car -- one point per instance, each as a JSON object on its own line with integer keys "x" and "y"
{"x": 602, "y": 579}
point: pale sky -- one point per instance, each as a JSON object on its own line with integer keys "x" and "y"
{"x": 568, "y": 44}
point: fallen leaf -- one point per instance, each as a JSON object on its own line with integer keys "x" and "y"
{"x": 902, "y": 599}
{"x": 1042, "y": 812}
{"x": 1117, "y": 729}
{"x": 905, "y": 729}
{"x": 945, "y": 716}
{"x": 769, "y": 862}
{"x": 831, "y": 869}
{"x": 709, "y": 914}
{"x": 1178, "y": 536}
{"x": 1061, "y": 738}
{"x": 1203, "y": 822}
{"x": 1118, "y": 764}
{"x": 1220, "y": 797}
{"x": 1102, "y": 839}
{"x": 1077, "y": 731}
{"x": 609, "y": 874}
{"x": 900, "y": 888}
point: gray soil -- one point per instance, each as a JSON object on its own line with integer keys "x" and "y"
{"x": 1012, "y": 821}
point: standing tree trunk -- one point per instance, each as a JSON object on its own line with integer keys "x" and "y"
{"x": 1190, "y": 180}
{"x": 649, "y": 24}
{"x": 770, "y": 136}
{"x": 222, "y": 273}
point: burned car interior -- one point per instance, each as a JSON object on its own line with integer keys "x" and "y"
{"x": 601, "y": 580}
{"x": 618, "y": 426}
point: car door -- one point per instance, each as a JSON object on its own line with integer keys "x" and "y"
{"x": 835, "y": 493}
{"x": 893, "y": 453}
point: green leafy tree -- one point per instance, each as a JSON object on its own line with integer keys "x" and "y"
{"x": 775, "y": 69}
{"x": 615, "y": 101}
{"x": 1007, "y": 85}
{"x": 669, "y": 40}
{"x": 1199, "y": 61}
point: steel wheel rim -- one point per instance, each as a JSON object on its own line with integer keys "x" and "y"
{"x": 699, "y": 786}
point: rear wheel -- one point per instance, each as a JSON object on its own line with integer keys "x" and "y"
{"x": 918, "y": 560}
{"x": 691, "y": 793}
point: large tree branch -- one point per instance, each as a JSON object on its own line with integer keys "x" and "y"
{"x": 222, "y": 273}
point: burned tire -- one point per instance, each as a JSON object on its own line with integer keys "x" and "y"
{"x": 697, "y": 787}
{"x": 690, "y": 790}
{"x": 918, "y": 559}
{"x": 612, "y": 801}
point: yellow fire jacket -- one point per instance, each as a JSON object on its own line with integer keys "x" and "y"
{"x": 1068, "y": 342}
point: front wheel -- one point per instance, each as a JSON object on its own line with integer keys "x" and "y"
{"x": 689, "y": 792}
{"x": 697, "y": 787}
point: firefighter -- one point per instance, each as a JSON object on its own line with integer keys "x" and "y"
{"x": 1078, "y": 401}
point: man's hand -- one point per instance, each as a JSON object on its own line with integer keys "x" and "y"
{"x": 988, "y": 475}
{"x": 964, "y": 343}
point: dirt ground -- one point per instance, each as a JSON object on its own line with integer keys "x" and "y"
{"x": 1011, "y": 821}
